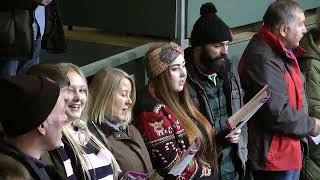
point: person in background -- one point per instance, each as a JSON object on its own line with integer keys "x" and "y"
{"x": 309, "y": 63}
{"x": 27, "y": 26}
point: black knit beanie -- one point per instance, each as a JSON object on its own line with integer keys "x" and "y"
{"x": 26, "y": 102}
{"x": 209, "y": 28}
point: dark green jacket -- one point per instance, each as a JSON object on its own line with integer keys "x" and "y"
{"x": 310, "y": 66}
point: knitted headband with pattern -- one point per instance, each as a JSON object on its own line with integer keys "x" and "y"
{"x": 159, "y": 59}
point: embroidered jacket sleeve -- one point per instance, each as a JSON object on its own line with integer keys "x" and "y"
{"x": 166, "y": 140}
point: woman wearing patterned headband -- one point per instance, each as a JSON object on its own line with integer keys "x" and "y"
{"x": 167, "y": 119}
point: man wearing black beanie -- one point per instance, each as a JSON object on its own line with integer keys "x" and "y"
{"x": 32, "y": 116}
{"x": 215, "y": 88}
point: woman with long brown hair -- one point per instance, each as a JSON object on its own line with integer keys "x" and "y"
{"x": 167, "y": 119}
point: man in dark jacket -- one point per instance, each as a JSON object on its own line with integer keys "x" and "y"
{"x": 215, "y": 89}
{"x": 276, "y": 130}
{"x": 32, "y": 117}
{"x": 25, "y": 26}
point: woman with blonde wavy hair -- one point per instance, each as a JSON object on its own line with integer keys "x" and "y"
{"x": 167, "y": 118}
{"x": 82, "y": 155}
{"x": 113, "y": 96}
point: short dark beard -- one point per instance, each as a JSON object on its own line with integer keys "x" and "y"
{"x": 216, "y": 65}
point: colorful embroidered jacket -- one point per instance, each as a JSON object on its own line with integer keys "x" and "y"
{"x": 166, "y": 139}
{"x": 275, "y": 132}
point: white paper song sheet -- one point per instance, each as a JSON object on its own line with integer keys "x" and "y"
{"x": 186, "y": 158}
{"x": 316, "y": 139}
{"x": 242, "y": 116}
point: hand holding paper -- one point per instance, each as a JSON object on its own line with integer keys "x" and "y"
{"x": 234, "y": 139}
{"x": 241, "y": 117}
{"x": 315, "y": 137}
{"x": 186, "y": 158}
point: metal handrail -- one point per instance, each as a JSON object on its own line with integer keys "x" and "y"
{"x": 116, "y": 60}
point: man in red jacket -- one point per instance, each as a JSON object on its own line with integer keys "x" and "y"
{"x": 276, "y": 131}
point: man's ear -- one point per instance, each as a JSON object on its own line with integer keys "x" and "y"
{"x": 42, "y": 128}
{"x": 197, "y": 50}
{"x": 283, "y": 30}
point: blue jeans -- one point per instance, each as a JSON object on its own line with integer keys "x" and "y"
{"x": 277, "y": 175}
{"x": 16, "y": 66}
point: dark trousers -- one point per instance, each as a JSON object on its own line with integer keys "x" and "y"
{"x": 277, "y": 175}
{"x": 15, "y": 66}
